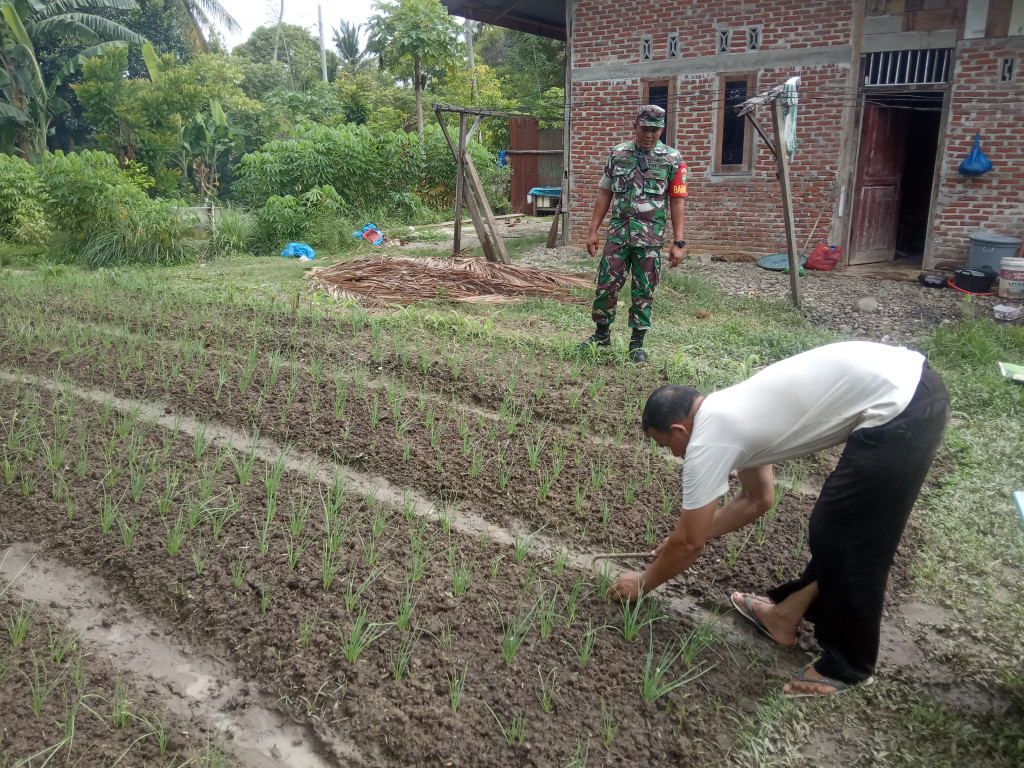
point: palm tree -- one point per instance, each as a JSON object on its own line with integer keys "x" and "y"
{"x": 346, "y": 40}
{"x": 27, "y": 100}
{"x": 198, "y": 18}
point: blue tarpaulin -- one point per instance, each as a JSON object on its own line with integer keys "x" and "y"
{"x": 298, "y": 250}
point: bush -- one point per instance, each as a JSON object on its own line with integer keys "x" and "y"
{"x": 22, "y": 203}
{"x": 88, "y": 188}
{"x": 311, "y": 219}
{"x": 368, "y": 171}
{"x": 153, "y": 233}
{"x": 232, "y": 231}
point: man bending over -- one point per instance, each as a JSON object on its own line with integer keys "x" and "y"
{"x": 889, "y": 408}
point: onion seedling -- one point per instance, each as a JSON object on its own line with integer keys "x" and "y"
{"x": 456, "y": 685}
{"x": 461, "y": 577}
{"x": 548, "y": 686}
{"x": 175, "y": 535}
{"x": 608, "y": 726}
{"x": 514, "y": 628}
{"x": 19, "y": 622}
{"x": 516, "y": 731}
{"x": 239, "y": 567}
{"x": 523, "y": 544}
{"x": 654, "y": 684}
{"x": 362, "y": 635}
{"x": 547, "y": 614}
{"x": 398, "y": 661}
{"x": 405, "y": 608}
{"x": 306, "y": 627}
{"x": 585, "y": 649}
{"x": 447, "y": 636}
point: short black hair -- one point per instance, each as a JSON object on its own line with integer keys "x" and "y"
{"x": 668, "y": 405}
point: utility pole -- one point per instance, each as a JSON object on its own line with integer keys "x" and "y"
{"x": 323, "y": 51}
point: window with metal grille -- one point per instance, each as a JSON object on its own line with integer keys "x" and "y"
{"x": 722, "y": 40}
{"x": 754, "y": 38}
{"x": 1007, "y": 69}
{"x": 672, "y": 49}
{"x": 646, "y": 47}
{"x": 924, "y": 67}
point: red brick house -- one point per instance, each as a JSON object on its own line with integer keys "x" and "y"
{"x": 893, "y": 92}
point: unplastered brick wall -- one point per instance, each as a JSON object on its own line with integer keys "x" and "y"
{"x": 608, "y": 32}
{"x": 980, "y": 103}
{"x": 733, "y": 217}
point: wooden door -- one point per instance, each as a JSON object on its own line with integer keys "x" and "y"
{"x": 524, "y": 138}
{"x": 876, "y": 207}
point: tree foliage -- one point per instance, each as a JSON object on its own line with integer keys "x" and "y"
{"x": 414, "y": 39}
{"x": 528, "y": 66}
{"x": 298, "y": 54}
{"x": 29, "y": 101}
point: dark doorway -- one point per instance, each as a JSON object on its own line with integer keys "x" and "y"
{"x": 658, "y": 95}
{"x": 895, "y": 169}
{"x": 922, "y": 142}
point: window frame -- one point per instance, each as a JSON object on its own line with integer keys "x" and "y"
{"x": 670, "y": 108}
{"x": 746, "y": 167}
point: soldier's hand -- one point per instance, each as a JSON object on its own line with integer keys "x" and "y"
{"x": 592, "y": 242}
{"x": 675, "y": 256}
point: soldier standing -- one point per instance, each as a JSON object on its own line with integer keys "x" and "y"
{"x": 638, "y": 178}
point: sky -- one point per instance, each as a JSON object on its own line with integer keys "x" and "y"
{"x": 251, "y": 14}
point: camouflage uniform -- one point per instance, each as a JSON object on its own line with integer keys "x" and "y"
{"x": 637, "y": 230}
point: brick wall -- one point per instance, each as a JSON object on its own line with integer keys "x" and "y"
{"x": 728, "y": 216}
{"x": 980, "y": 103}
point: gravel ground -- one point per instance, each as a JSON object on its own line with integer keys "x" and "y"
{"x": 854, "y": 306}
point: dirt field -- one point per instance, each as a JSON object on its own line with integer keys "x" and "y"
{"x": 285, "y": 537}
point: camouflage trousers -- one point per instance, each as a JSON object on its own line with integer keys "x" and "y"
{"x": 617, "y": 260}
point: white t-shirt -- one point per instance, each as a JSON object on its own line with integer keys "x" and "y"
{"x": 793, "y": 408}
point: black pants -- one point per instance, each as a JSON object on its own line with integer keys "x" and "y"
{"x": 857, "y": 524}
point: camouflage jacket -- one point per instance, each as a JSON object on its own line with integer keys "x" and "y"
{"x": 639, "y": 198}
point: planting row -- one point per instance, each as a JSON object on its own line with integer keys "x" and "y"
{"x": 511, "y": 465}
{"x": 364, "y": 619}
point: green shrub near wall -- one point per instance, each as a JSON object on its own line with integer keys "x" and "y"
{"x": 370, "y": 172}
{"x": 23, "y": 203}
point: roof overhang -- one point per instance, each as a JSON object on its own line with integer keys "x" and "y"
{"x": 538, "y": 17}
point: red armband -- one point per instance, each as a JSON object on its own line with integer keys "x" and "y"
{"x": 678, "y": 186}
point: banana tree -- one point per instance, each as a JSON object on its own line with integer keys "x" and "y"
{"x": 204, "y": 140}
{"x": 27, "y": 102}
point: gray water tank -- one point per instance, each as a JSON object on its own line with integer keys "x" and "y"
{"x": 989, "y": 249}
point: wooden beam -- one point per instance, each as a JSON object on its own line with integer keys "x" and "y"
{"x": 478, "y": 186}
{"x": 474, "y": 213}
{"x": 553, "y": 232}
{"x": 460, "y": 185}
{"x": 787, "y": 202}
{"x": 476, "y": 124}
{"x": 490, "y": 112}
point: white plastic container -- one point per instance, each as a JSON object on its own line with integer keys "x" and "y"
{"x": 1011, "y": 278}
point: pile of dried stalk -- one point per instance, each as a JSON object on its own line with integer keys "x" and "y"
{"x": 391, "y": 280}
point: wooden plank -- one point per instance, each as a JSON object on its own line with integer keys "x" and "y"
{"x": 474, "y": 213}
{"x": 488, "y": 112}
{"x": 460, "y": 185}
{"x": 553, "y": 232}
{"x": 492, "y": 225}
{"x": 787, "y": 202}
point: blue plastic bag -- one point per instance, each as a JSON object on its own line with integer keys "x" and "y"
{"x": 976, "y": 162}
{"x": 370, "y": 233}
{"x": 298, "y": 250}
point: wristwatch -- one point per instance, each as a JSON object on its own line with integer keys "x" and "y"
{"x": 680, "y": 243}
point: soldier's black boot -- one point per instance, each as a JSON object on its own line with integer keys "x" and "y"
{"x": 602, "y": 337}
{"x": 636, "y": 346}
